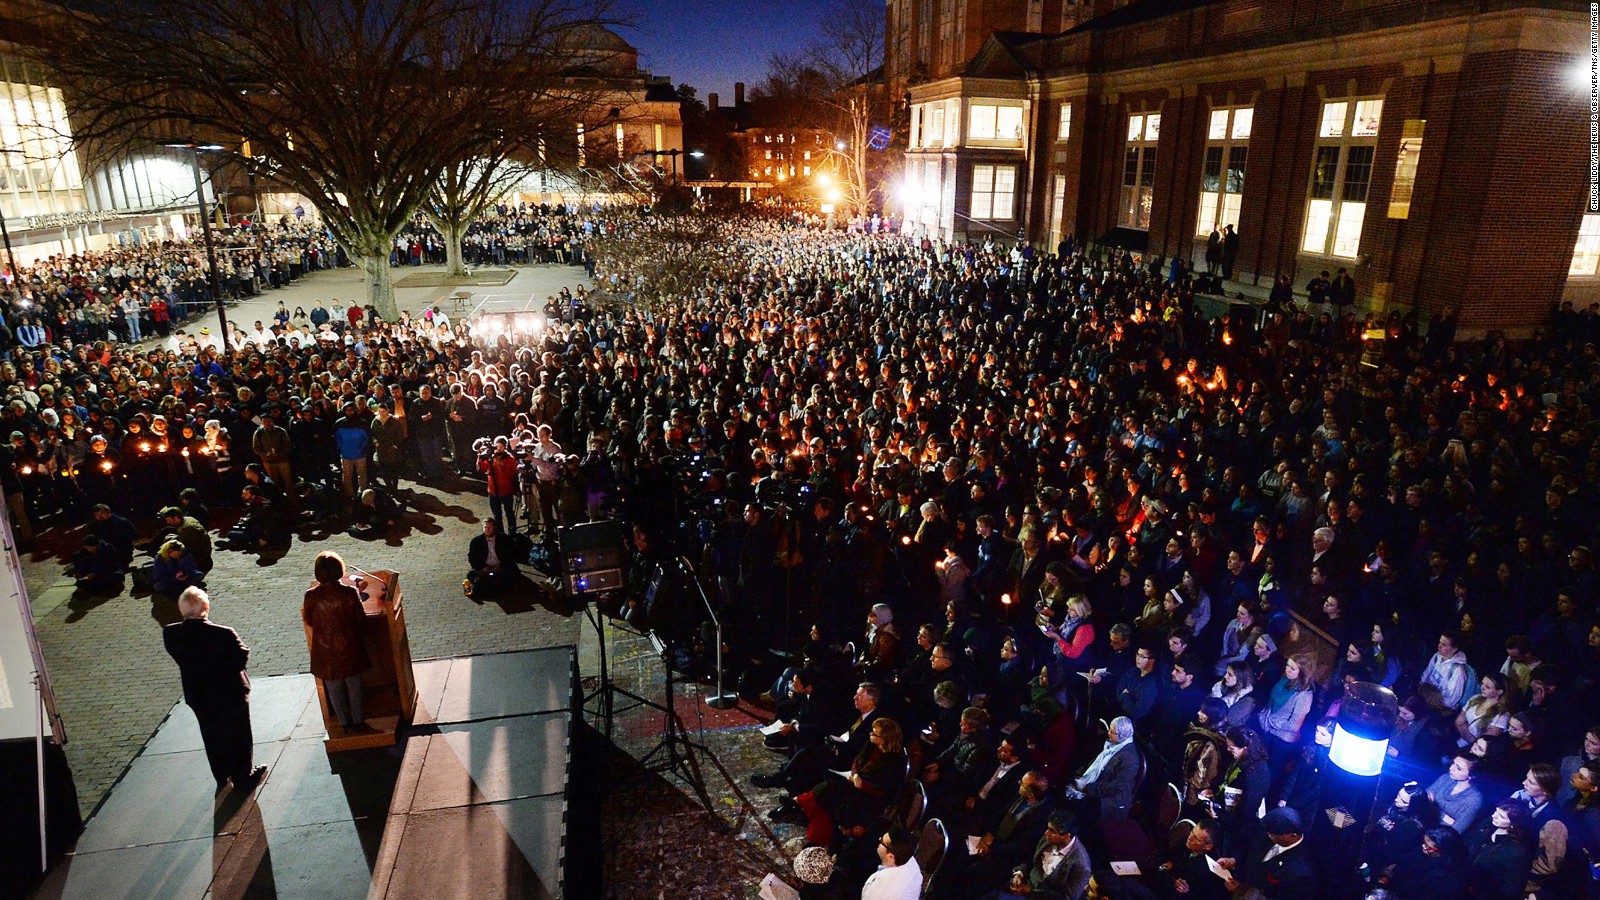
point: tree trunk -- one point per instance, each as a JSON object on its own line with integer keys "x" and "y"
{"x": 454, "y": 265}
{"x": 380, "y": 285}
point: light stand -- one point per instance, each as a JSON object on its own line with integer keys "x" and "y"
{"x": 1360, "y": 748}
{"x": 721, "y": 699}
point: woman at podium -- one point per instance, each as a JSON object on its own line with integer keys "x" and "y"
{"x": 334, "y": 615}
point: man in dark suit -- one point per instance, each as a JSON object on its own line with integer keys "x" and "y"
{"x": 993, "y": 789}
{"x": 1187, "y": 875}
{"x": 211, "y": 660}
{"x": 1010, "y": 840}
{"x": 1060, "y": 867}
{"x": 1277, "y": 864}
{"x": 807, "y": 767}
{"x": 492, "y": 557}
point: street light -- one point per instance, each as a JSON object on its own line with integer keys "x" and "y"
{"x": 205, "y": 227}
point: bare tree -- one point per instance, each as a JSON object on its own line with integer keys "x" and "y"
{"x": 839, "y": 80}
{"x": 464, "y": 192}
{"x": 360, "y": 105}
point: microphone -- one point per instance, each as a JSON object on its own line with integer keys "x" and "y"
{"x": 360, "y": 571}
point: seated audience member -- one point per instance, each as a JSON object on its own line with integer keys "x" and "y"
{"x": 1437, "y": 868}
{"x": 1105, "y": 789}
{"x": 899, "y": 878}
{"x": 492, "y": 562}
{"x": 1457, "y": 797}
{"x": 196, "y": 540}
{"x": 1277, "y": 864}
{"x": 96, "y": 568}
{"x": 1059, "y": 867}
{"x": 1009, "y": 840}
{"x": 964, "y": 759}
{"x": 1500, "y": 849}
{"x": 174, "y": 570}
{"x": 116, "y": 533}
{"x": 1188, "y": 874}
{"x": 374, "y": 515}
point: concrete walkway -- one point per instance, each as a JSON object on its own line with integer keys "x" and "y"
{"x": 114, "y": 683}
{"x": 537, "y": 282}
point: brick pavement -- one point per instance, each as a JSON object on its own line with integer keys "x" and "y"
{"x": 113, "y": 681}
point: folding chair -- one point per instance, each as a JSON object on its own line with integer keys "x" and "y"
{"x": 932, "y": 846}
{"x": 911, "y": 805}
{"x": 1168, "y": 808}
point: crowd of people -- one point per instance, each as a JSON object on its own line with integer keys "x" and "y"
{"x": 1098, "y": 541}
{"x": 508, "y": 234}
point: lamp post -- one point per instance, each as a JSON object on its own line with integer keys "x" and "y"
{"x": 205, "y": 228}
{"x": 11, "y": 258}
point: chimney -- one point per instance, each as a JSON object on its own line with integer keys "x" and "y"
{"x": 738, "y": 94}
{"x": 711, "y": 101}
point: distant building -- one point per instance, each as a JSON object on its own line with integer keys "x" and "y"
{"x": 59, "y": 198}
{"x": 1436, "y": 150}
{"x": 780, "y": 144}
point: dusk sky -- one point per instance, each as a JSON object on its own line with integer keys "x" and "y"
{"x": 713, "y": 43}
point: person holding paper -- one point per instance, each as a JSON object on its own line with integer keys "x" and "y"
{"x": 1194, "y": 874}
{"x": 1277, "y": 864}
{"x": 834, "y": 751}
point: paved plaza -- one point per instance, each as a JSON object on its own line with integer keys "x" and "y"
{"x": 113, "y": 681}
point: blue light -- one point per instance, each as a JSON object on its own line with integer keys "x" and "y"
{"x": 1357, "y": 755}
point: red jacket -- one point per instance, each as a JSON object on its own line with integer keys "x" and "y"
{"x": 502, "y": 472}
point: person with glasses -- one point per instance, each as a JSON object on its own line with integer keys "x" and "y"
{"x": 899, "y": 877}
{"x": 1060, "y": 866}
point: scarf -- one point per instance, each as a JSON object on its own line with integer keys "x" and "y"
{"x": 1101, "y": 761}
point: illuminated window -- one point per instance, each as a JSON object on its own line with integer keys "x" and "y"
{"x": 1405, "y": 168}
{"x": 1222, "y": 169}
{"x": 1058, "y": 211}
{"x": 1064, "y": 129}
{"x": 1341, "y": 173}
{"x": 993, "y": 190}
{"x": 1139, "y": 169}
{"x": 1586, "y": 255}
{"x": 988, "y": 122}
{"x": 935, "y": 133}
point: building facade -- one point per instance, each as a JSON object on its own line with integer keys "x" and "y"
{"x": 1436, "y": 150}
{"x": 56, "y": 200}
{"x": 931, "y": 39}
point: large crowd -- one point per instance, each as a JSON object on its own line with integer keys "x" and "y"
{"x": 1032, "y": 536}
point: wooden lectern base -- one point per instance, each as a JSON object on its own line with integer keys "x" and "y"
{"x": 382, "y": 725}
{"x": 389, "y": 689}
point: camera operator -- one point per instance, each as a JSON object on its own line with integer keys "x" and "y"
{"x": 545, "y": 456}
{"x": 500, "y": 467}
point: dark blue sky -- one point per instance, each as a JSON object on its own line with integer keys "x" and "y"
{"x": 713, "y": 43}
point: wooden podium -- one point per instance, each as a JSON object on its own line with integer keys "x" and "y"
{"x": 390, "y": 688}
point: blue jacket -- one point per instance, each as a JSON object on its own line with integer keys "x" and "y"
{"x": 352, "y": 439}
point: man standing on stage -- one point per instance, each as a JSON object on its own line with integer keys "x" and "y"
{"x": 211, "y": 659}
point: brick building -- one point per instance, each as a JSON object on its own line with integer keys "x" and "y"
{"x": 1435, "y": 148}
{"x": 930, "y": 39}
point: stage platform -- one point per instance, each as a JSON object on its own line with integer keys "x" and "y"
{"x": 473, "y": 800}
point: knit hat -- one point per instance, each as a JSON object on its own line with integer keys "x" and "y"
{"x": 813, "y": 865}
{"x": 1282, "y": 820}
{"x": 882, "y": 614}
